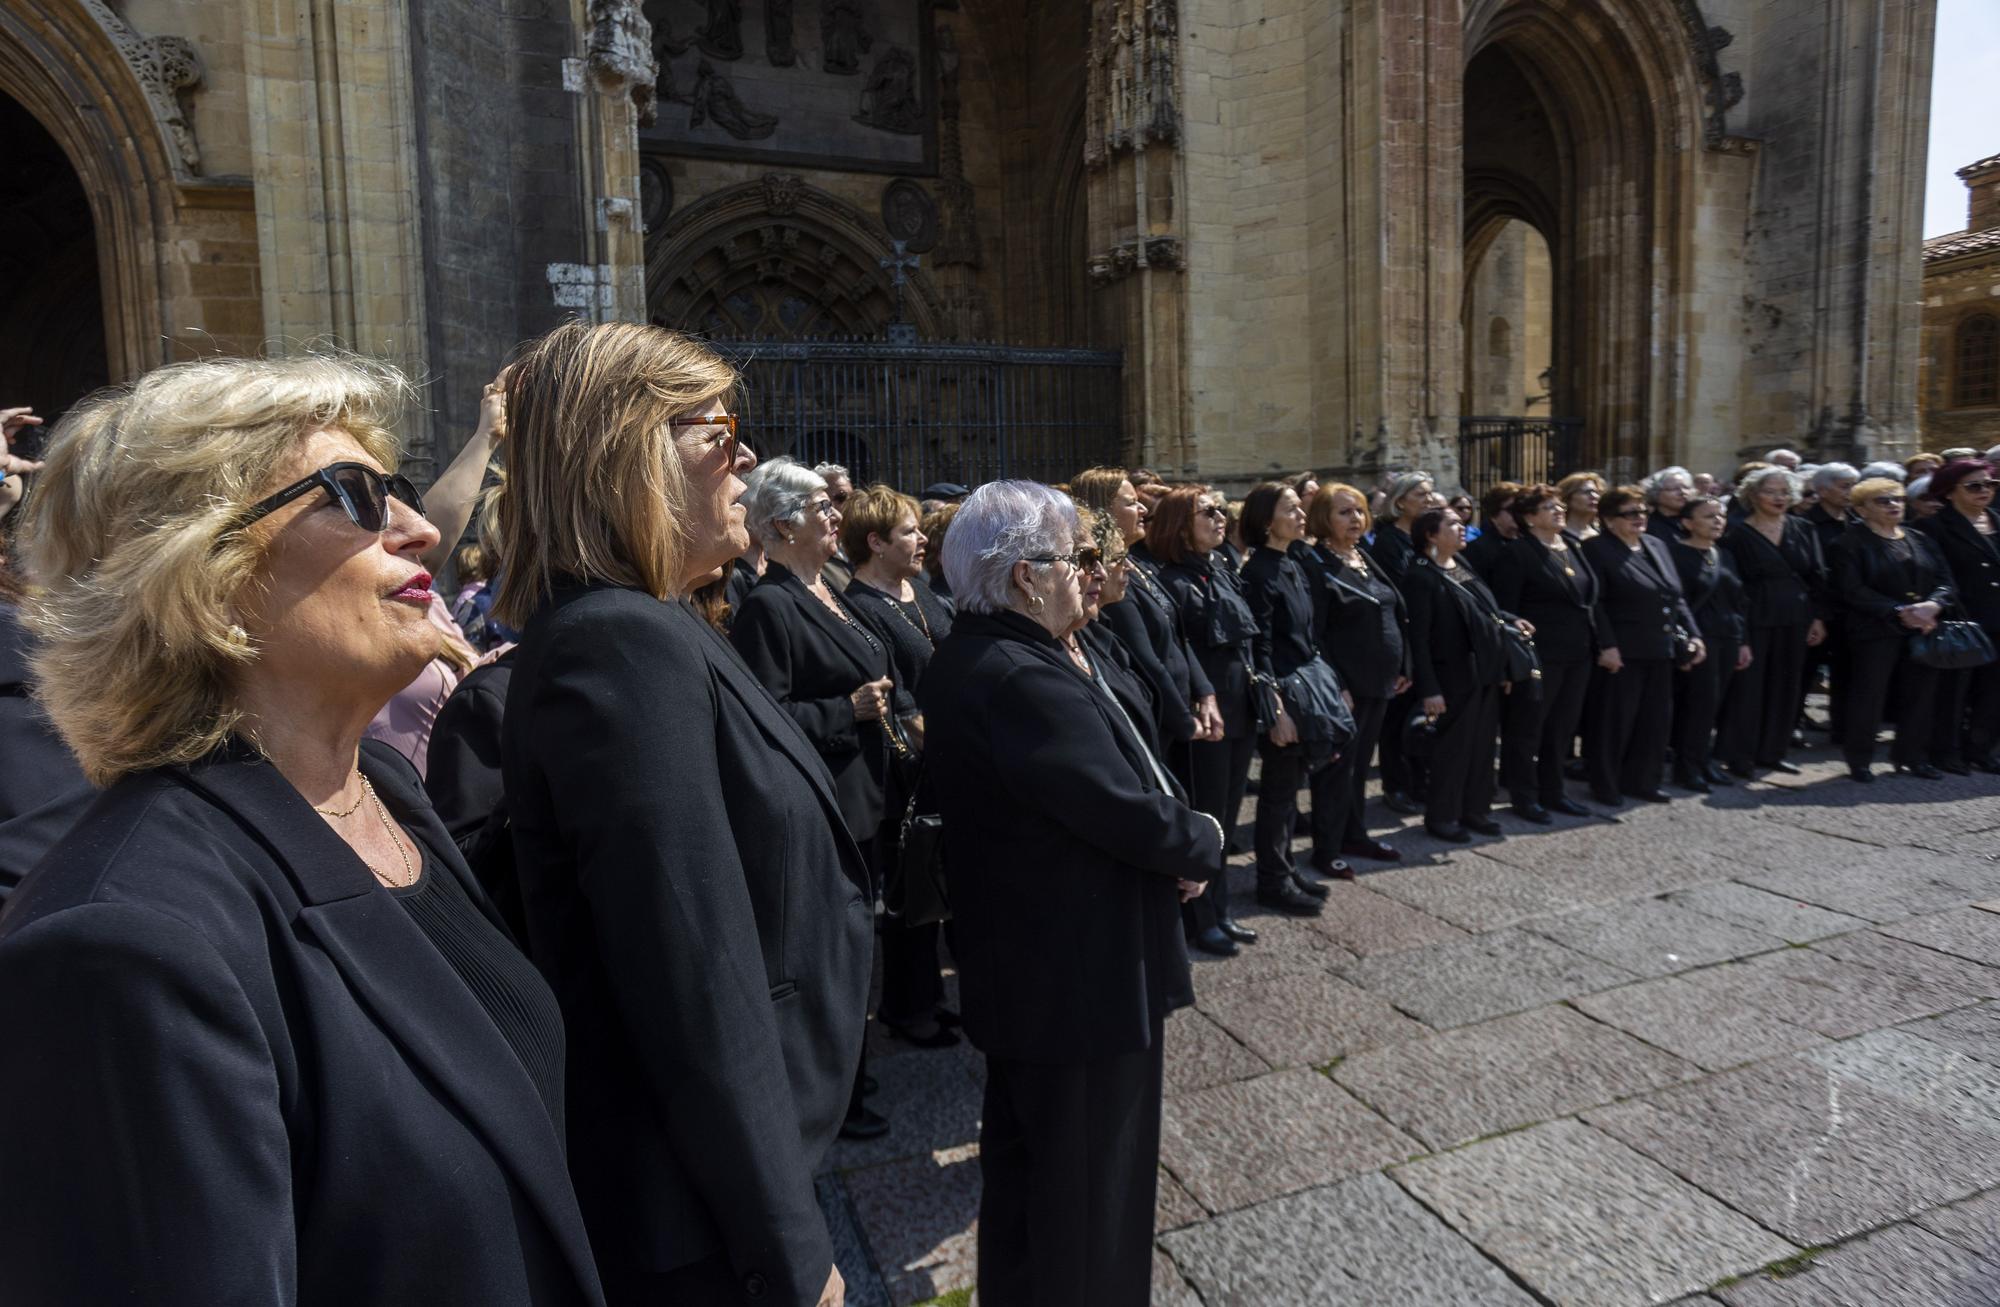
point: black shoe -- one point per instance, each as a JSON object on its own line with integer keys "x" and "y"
{"x": 1650, "y": 796}
{"x": 865, "y": 1124}
{"x": 1741, "y": 770}
{"x": 1569, "y": 808}
{"x": 1212, "y": 940}
{"x": 1374, "y": 850}
{"x": 1286, "y": 897}
{"x": 1718, "y": 777}
{"x": 1484, "y": 825}
{"x": 1332, "y": 868}
{"x": 1234, "y": 848}
{"x": 1451, "y": 834}
{"x": 1690, "y": 783}
{"x": 936, "y": 1037}
{"x": 1955, "y": 767}
{"x": 1989, "y": 765}
{"x": 1397, "y": 801}
{"x": 1242, "y": 934}
{"x": 1920, "y": 770}
{"x": 1788, "y": 768}
{"x": 1860, "y": 773}
{"x": 1533, "y": 812}
{"x": 1312, "y": 887}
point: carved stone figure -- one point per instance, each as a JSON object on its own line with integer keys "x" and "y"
{"x": 781, "y": 193}
{"x": 722, "y": 34}
{"x": 715, "y": 99}
{"x": 843, "y": 37}
{"x": 889, "y": 100}
{"x": 778, "y": 46}
{"x": 621, "y": 54}
{"x": 910, "y": 215}
{"x": 959, "y": 224}
{"x": 167, "y": 68}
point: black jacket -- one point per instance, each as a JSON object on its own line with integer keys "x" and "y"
{"x": 1148, "y": 623}
{"x": 35, "y": 765}
{"x": 1393, "y": 551}
{"x": 1785, "y": 583}
{"x": 811, "y": 661}
{"x": 1107, "y": 653}
{"x": 1064, "y": 850}
{"x": 1209, "y": 594}
{"x": 1455, "y": 643}
{"x": 1826, "y": 528}
{"x": 911, "y": 639}
{"x": 1871, "y": 583}
{"x": 1661, "y": 527}
{"x": 743, "y": 578}
{"x": 1714, "y": 594}
{"x": 1485, "y": 551}
{"x": 1358, "y": 624}
{"x": 701, "y": 911}
{"x": 1279, "y": 591}
{"x": 1974, "y": 560}
{"x": 464, "y": 781}
{"x": 1557, "y": 593}
{"x": 1639, "y": 601}
{"x": 239, "y": 1072}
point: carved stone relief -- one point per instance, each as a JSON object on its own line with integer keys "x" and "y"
{"x": 778, "y": 47}
{"x": 715, "y": 100}
{"x": 910, "y": 215}
{"x": 781, "y": 193}
{"x": 722, "y": 34}
{"x": 167, "y": 68}
{"x": 958, "y": 243}
{"x": 656, "y": 193}
{"x": 1723, "y": 91}
{"x": 843, "y": 36}
{"x": 890, "y": 100}
{"x": 621, "y": 54}
{"x": 1131, "y": 78}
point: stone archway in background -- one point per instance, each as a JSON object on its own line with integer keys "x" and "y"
{"x": 52, "y": 344}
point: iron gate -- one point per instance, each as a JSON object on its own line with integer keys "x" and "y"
{"x": 1523, "y": 450}
{"x": 911, "y": 415}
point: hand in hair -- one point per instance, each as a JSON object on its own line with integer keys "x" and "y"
{"x": 12, "y": 421}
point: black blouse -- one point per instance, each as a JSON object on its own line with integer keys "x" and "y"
{"x": 1714, "y": 594}
{"x": 1209, "y": 594}
{"x": 910, "y": 630}
{"x": 1280, "y": 597}
{"x": 498, "y": 974}
{"x": 1785, "y": 583}
{"x": 1358, "y": 625}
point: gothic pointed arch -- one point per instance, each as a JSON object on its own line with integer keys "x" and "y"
{"x": 780, "y": 259}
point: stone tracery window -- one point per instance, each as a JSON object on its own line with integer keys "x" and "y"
{"x": 1976, "y": 350}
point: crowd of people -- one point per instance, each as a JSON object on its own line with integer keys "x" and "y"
{"x": 512, "y": 943}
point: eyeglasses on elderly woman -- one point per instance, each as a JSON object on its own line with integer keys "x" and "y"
{"x": 359, "y": 489}
{"x": 1083, "y": 560}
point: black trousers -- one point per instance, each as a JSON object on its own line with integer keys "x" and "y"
{"x": 1968, "y": 714}
{"x": 912, "y": 984}
{"x": 1339, "y": 789}
{"x": 1874, "y": 666}
{"x": 1831, "y": 656}
{"x": 1535, "y": 735}
{"x": 1461, "y": 765}
{"x": 1069, "y": 1156}
{"x": 1401, "y": 774}
{"x": 1633, "y": 720}
{"x": 1277, "y": 810}
{"x": 1218, "y": 774}
{"x": 1763, "y": 703}
{"x": 1698, "y": 695}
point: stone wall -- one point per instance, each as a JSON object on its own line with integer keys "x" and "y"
{"x": 1954, "y": 291}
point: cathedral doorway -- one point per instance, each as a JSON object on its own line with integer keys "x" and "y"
{"x": 52, "y": 338}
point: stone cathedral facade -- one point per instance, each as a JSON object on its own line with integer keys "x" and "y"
{"x": 1316, "y": 233}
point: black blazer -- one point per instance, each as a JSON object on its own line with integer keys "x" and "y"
{"x": 1974, "y": 560}
{"x": 1208, "y": 591}
{"x": 1484, "y": 552}
{"x": 1148, "y": 623}
{"x": 811, "y": 661}
{"x": 1639, "y": 599}
{"x": 1279, "y": 592}
{"x": 464, "y": 781}
{"x": 1785, "y": 583}
{"x": 1530, "y": 579}
{"x": 1359, "y": 625}
{"x": 743, "y": 578}
{"x": 1455, "y": 645}
{"x": 1828, "y": 529}
{"x": 1714, "y": 594}
{"x": 36, "y": 767}
{"x": 1063, "y": 848}
{"x": 703, "y": 915}
{"x": 1871, "y": 583}
{"x": 1107, "y": 653}
{"x": 1393, "y": 551}
{"x": 238, "y": 1071}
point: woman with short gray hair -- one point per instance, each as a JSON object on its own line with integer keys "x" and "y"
{"x": 1068, "y": 854}
{"x": 1784, "y": 581}
{"x": 1667, "y": 492}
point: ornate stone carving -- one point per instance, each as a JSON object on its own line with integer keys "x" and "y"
{"x": 656, "y": 192}
{"x": 889, "y": 99}
{"x": 1165, "y": 252}
{"x": 715, "y": 100}
{"x": 722, "y": 34}
{"x": 1131, "y": 78}
{"x": 910, "y": 215}
{"x": 778, "y": 47}
{"x": 1723, "y": 91}
{"x": 959, "y": 227}
{"x": 843, "y": 36}
{"x": 167, "y": 68}
{"x": 621, "y": 56}
{"x": 781, "y": 192}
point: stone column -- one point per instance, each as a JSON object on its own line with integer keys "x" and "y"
{"x": 622, "y": 75}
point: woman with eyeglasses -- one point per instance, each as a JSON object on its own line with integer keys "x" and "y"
{"x": 1667, "y": 493}
{"x": 1580, "y": 493}
{"x": 1966, "y": 530}
{"x": 691, "y": 888}
{"x": 1644, "y": 630}
{"x": 1784, "y": 574}
{"x": 255, "y": 994}
{"x": 1892, "y": 583}
{"x": 1068, "y": 853}
{"x": 1715, "y": 596}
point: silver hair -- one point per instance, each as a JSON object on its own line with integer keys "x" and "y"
{"x": 1920, "y": 487}
{"x": 997, "y": 526}
{"x": 1992, "y": 455}
{"x": 1747, "y": 487}
{"x": 778, "y": 491}
{"x": 1653, "y": 484}
{"x": 1403, "y": 483}
{"x": 832, "y": 470}
{"x": 1780, "y": 453}
{"x": 1827, "y": 473}
{"x": 1884, "y": 468}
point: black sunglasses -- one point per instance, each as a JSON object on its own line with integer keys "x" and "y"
{"x": 356, "y": 487}
{"x": 1978, "y": 486}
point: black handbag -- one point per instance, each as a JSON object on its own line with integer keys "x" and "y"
{"x": 914, "y": 893}
{"x": 1953, "y": 646}
{"x": 1524, "y": 665}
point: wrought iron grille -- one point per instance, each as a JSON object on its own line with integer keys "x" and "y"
{"x": 911, "y": 415}
{"x": 1526, "y": 450}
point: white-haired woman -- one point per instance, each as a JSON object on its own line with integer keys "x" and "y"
{"x": 1068, "y": 853}
{"x": 1410, "y": 495}
{"x": 255, "y": 995}
{"x": 1777, "y": 555}
{"x": 1667, "y": 492}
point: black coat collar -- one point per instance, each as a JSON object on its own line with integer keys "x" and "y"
{"x": 1961, "y": 526}
{"x": 847, "y": 636}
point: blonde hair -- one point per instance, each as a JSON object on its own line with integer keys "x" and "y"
{"x": 1096, "y": 487}
{"x": 1319, "y": 513}
{"x": 594, "y": 488}
{"x": 1873, "y": 486}
{"x": 134, "y": 536}
{"x": 874, "y": 511}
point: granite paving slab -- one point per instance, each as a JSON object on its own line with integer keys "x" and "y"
{"x": 1926, "y": 1075}
{"x": 1689, "y": 1019}
{"x": 1967, "y": 982}
{"x": 1285, "y": 946}
{"x": 1683, "y": 847}
{"x": 1201, "y": 1054}
{"x": 1970, "y": 933}
{"x": 1173, "y": 1206}
{"x": 1463, "y": 981}
{"x": 1902, "y": 1266}
{"x": 1239, "y": 1144}
{"x": 1952, "y": 804}
{"x": 1467, "y": 1083}
{"x": 1306, "y": 1019}
{"x": 1881, "y": 884}
{"x": 1365, "y": 922}
{"x": 1984, "y": 843}
{"x": 1479, "y": 894}
{"x": 1825, "y": 993}
{"x": 1973, "y": 1224}
{"x": 1584, "y": 1220}
{"x": 1973, "y": 1031}
{"x": 1360, "y": 1243}
{"x": 1169, "y": 1289}
{"x": 850, "y": 1250}
{"x": 920, "y": 1215}
{"x": 1650, "y": 937}
{"x": 932, "y": 1102}
{"x": 1792, "y": 920}
{"x": 1805, "y": 1151}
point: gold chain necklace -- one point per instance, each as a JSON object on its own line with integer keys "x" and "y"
{"x": 340, "y": 816}
{"x": 409, "y": 872}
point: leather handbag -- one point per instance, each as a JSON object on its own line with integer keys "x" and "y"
{"x": 1953, "y": 646}
{"x": 914, "y": 893}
